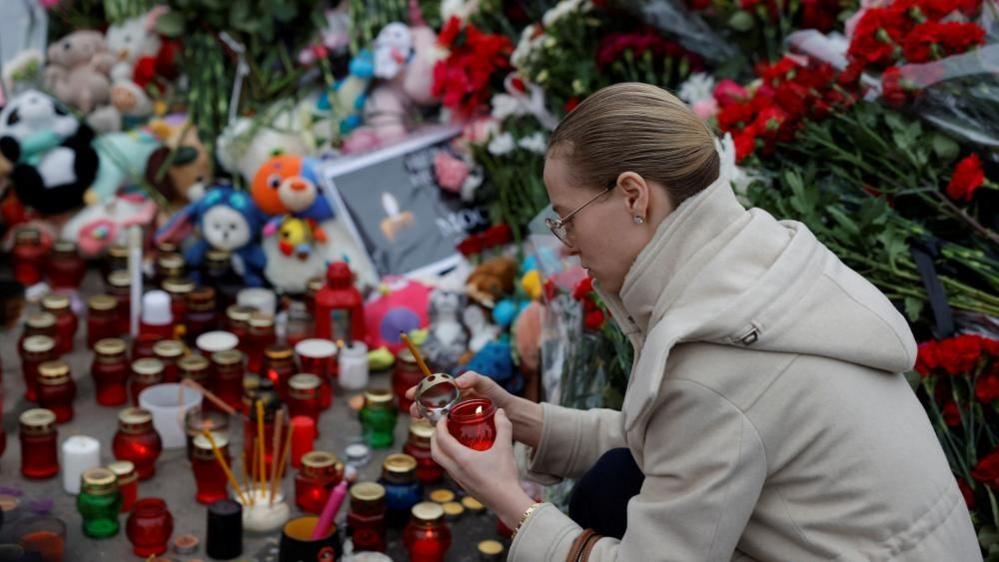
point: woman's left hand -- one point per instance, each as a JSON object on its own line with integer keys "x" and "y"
{"x": 491, "y": 475}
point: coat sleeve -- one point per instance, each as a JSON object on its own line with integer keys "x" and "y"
{"x": 572, "y": 441}
{"x": 704, "y": 466}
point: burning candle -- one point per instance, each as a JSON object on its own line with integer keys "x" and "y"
{"x": 418, "y": 447}
{"x": 56, "y": 389}
{"x": 303, "y": 437}
{"x": 366, "y": 518}
{"x": 320, "y": 472}
{"x": 228, "y": 384}
{"x": 110, "y": 372}
{"x": 128, "y": 483}
{"x": 34, "y": 351}
{"x": 66, "y": 322}
{"x": 79, "y": 454}
{"x": 472, "y": 423}
{"x": 137, "y": 441}
{"x": 427, "y": 537}
{"x": 303, "y": 396}
{"x": 102, "y": 319}
{"x": 402, "y": 489}
{"x": 99, "y": 503}
{"x": 169, "y": 353}
{"x": 209, "y": 476}
{"x": 145, "y": 373}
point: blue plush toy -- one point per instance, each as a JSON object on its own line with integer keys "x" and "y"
{"x": 346, "y": 99}
{"x": 495, "y": 361}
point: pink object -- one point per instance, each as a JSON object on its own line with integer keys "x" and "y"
{"x": 332, "y": 506}
{"x": 705, "y": 108}
{"x": 400, "y": 295}
{"x": 451, "y": 172}
{"x": 729, "y": 91}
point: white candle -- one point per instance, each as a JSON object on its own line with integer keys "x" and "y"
{"x": 354, "y": 366}
{"x": 79, "y": 453}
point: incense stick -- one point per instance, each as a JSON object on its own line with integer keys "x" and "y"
{"x": 210, "y": 396}
{"x": 225, "y": 467}
{"x": 242, "y": 464}
{"x": 263, "y": 444}
{"x": 417, "y": 355}
{"x": 278, "y": 428}
{"x": 284, "y": 454}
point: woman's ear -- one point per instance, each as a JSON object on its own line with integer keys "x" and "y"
{"x": 636, "y": 195}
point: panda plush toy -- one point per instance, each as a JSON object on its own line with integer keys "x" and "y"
{"x": 53, "y": 154}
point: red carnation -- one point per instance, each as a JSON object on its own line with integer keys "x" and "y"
{"x": 968, "y": 176}
{"x": 950, "y": 414}
{"x": 927, "y": 359}
{"x": 893, "y": 88}
{"x": 987, "y": 387}
{"x": 470, "y": 246}
{"x": 745, "y": 143}
{"x": 969, "y": 495}
{"x": 960, "y": 355}
{"x": 729, "y": 92}
{"x": 570, "y": 104}
{"x": 987, "y": 469}
{"x": 450, "y": 32}
{"x": 583, "y": 288}
{"x": 594, "y": 320}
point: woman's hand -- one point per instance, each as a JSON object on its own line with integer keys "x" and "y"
{"x": 526, "y": 416}
{"x": 491, "y": 475}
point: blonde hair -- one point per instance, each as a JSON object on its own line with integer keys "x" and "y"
{"x": 639, "y": 128}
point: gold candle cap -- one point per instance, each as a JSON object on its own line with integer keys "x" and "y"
{"x": 420, "y": 432}
{"x": 193, "y": 363}
{"x": 406, "y": 356}
{"x": 168, "y": 348}
{"x": 125, "y": 471}
{"x": 441, "y": 496}
{"x": 38, "y": 344}
{"x": 102, "y": 302}
{"x": 428, "y": 511}
{"x": 147, "y": 366}
{"x": 53, "y": 372}
{"x": 166, "y": 248}
{"x": 217, "y": 255}
{"x": 135, "y": 420}
{"x": 239, "y": 313}
{"x": 367, "y": 491}
{"x": 315, "y": 462}
{"x": 119, "y": 278}
{"x": 452, "y": 510}
{"x": 178, "y": 285}
{"x": 314, "y": 284}
{"x": 99, "y": 482}
{"x": 170, "y": 261}
{"x": 490, "y": 547}
{"x": 118, "y": 251}
{"x": 228, "y": 357}
{"x": 279, "y": 352}
{"x": 261, "y": 320}
{"x": 399, "y": 463}
{"x": 41, "y": 320}
{"x": 202, "y": 442}
{"x": 27, "y": 234}
{"x": 64, "y": 247}
{"x": 55, "y": 302}
{"x": 37, "y": 421}
{"x": 201, "y": 298}
{"x": 378, "y": 397}
{"x": 304, "y": 381}
{"x": 472, "y": 504}
{"x": 110, "y": 346}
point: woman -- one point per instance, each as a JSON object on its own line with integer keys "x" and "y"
{"x": 765, "y": 417}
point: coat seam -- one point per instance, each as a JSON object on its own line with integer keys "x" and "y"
{"x": 873, "y": 312}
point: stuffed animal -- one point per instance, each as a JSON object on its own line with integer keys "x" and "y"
{"x": 295, "y": 251}
{"x": 400, "y": 307}
{"x": 99, "y": 226}
{"x": 131, "y": 40}
{"x": 77, "y": 71}
{"x": 190, "y": 166}
{"x": 124, "y": 160}
{"x": 145, "y": 61}
{"x": 246, "y": 145}
{"x": 447, "y": 340}
{"x": 492, "y": 280}
{"x": 290, "y": 184}
{"x": 53, "y": 154}
{"x": 344, "y": 103}
{"x": 476, "y": 320}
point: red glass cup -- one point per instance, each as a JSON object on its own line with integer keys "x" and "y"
{"x": 44, "y": 536}
{"x": 318, "y": 356}
{"x": 303, "y": 396}
{"x": 209, "y": 476}
{"x": 34, "y": 351}
{"x": 110, "y": 372}
{"x": 149, "y": 527}
{"x": 320, "y": 472}
{"x": 66, "y": 321}
{"x": 56, "y": 389}
{"x": 102, "y": 319}
{"x": 303, "y": 438}
{"x": 65, "y": 268}
{"x": 137, "y": 441}
{"x": 128, "y": 483}
{"x": 472, "y": 423}
{"x": 228, "y": 377}
{"x": 39, "y": 453}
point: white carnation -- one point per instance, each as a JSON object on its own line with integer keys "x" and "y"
{"x": 537, "y": 143}
{"x": 505, "y": 105}
{"x": 501, "y": 144}
{"x": 699, "y": 86}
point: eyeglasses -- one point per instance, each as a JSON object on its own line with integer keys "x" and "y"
{"x": 558, "y": 225}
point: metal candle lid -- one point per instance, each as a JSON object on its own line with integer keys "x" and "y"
{"x": 230, "y": 357}
{"x": 118, "y": 251}
{"x": 239, "y": 313}
{"x": 147, "y": 369}
{"x": 442, "y": 496}
{"x": 99, "y": 482}
{"x": 202, "y": 442}
{"x": 135, "y": 420}
{"x": 55, "y": 302}
{"x": 41, "y": 320}
{"x": 119, "y": 278}
{"x": 37, "y": 421}
{"x": 378, "y": 398}
{"x": 367, "y": 492}
{"x": 193, "y": 363}
{"x": 102, "y": 302}
{"x": 168, "y": 348}
{"x": 399, "y": 463}
{"x": 436, "y": 395}
{"x": 38, "y": 344}
{"x": 178, "y": 286}
{"x": 278, "y": 351}
{"x": 452, "y": 510}
{"x": 64, "y": 247}
{"x": 53, "y": 372}
{"x": 420, "y": 433}
{"x": 304, "y": 381}
{"x": 125, "y": 471}
{"x": 428, "y": 512}
{"x": 110, "y": 346}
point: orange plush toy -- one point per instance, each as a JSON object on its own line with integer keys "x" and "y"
{"x": 289, "y": 184}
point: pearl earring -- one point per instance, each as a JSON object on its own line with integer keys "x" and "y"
{"x": 639, "y": 220}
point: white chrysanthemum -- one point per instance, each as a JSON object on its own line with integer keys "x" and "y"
{"x": 462, "y": 9}
{"x": 505, "y": 105}
{"x": 739, "y": 178}
{"x": 562, "y": 9}
{"x": 699, "y": 86}
{"x": 501, "y": 144}
{"x": 526, "y": 46}
{"x": 537, "y": 143}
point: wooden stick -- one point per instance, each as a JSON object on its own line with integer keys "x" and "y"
{"x": 253, "y": 469}
{"x": 285, "y": 453}
{"x": 416, "y": 354}
{"x": 225, "y": 467}
{"x": 278, "y": 429}
{"x": 263, "y": 445}
{"x": 211, "y": 397}
{"x": 242, "y": 464}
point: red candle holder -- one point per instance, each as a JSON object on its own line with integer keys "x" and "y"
{"x": 102, "y": 319}
{"x": 128, "y": 483}
{"x": 137, "y": 441}
{"x": 472, "y": 423}
{"x": 28, "y": 256}
{"x": 38, "y": 324}
{"x": 261, "y": 335}
{"x": 303, "y": 396}
{"x": 116, "y": 259}
{"x": 169, "y": 265}
{"x": 169, "y": 353}
{"x": 318, "y": 356}
{"x": 238, "y": 323}
{"x": 250, "y": 434}
{"x": 34, "y": 351}
{"x": 303, "y": 438}
{"x": 427, "y": 537}
{"x": 145, "y": 373}
{"x": 200, "y": 419}
{"x": 65, "y": 266}
{"x": 119, "y": 286}
{"x": 320, "y": 472}
{"x": 66, "y": 322}
{"x": 312, "y": 288}
{"x": 209, "y": 477}
{"x": 366, "y": 518}
{"x": 197, "y": 368}
{"x": 39, "y": 453}
{"x": 418, "y": 447}
{"x": 149, "y": 527}
{"x": 339, "y": 308}
{"x": 228, "y": 377}
{"x": 406, "y": 375}
{"x": 279, "y": 366}
{"x": 178, "y": 289}
{"x": 56, "y": 389}
{"x": 110, "y": 371}
{"x": 202, "y": 316}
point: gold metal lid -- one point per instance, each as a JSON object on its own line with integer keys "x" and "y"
{"x": 38, "y": 344}
{"x": 379, "y": 396}
{"x": 251, "y": 382}
{"x": 64, "y": 247}
{"x": 118, "y": 251}
{"x": 228, "y": 357}
{"x": 490, "y": 547}
{"x": 261, "y": 320}
{"x": 442, "y": 496}
{"x": 178, "y": 285}
{"x": 367, "y": 491}
{"x": 133, "y": 420}
{"x": 168, "y": 348}
{"x": 102, "y": 302}
{"x": 239, "y": 313}
{"x": 202, "y": 442}
{"x": 27, "y": 234}
{"x": 279, "y": 352}
{"x": 193, "y": 363}
{"x": 166, "y": 248}
{"x": 55, "y": 302}
{"x": 428, "y": 511}
{"x": 304, "y": 381}
{"x": 452, "y": 509}
{"x": 99, "y": 482}
{"x": 170, "y": 261}
{"x": 202, "y": 296}
{"x": 319, "y": 459}
{"x": 472, "y": 504}
{"x": 421, "y": 431}
{"x": 215, "y": 255}
{"x": 37, "y": 420}
{"x": 399, "y": 463}
{"x": 53, "y": 372}
{"x": 147, "y": 366}
{"x": 110, "y": 346}
{"x": 406, "y": 356}
{"x": 41, "y": 320}
{"x": 119, "y": 278}
{"x": 122, "y": 468}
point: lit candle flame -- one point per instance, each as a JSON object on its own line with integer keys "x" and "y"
{"x": 478, "y": 410}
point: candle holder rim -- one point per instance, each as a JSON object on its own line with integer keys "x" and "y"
{"x": 458, "y": 414}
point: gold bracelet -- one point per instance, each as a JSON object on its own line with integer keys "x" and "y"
{"x": 523, "y": 519}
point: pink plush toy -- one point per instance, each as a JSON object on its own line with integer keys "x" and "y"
{"x": 401, "y": 307}
{"x": 78, "y": 69}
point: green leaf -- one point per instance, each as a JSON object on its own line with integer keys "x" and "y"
{"x": 913, "y": 308}
{"x": 944, "y": 147}
{"x": 170, "y": 24}
{"x": 741, "y": 21}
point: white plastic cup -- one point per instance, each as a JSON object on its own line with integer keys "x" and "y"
{"x": 354, "y": 366}
{"x": 169, "y": 402}
{"x": 79, "y": 453}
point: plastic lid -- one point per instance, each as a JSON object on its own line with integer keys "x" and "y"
{"x": 102, "y": 302}
{"x": 367, "y": 491}
{"x": 428, "y": 511}
{"x": 316, "y": 348}
{"x": 156, "y": 308}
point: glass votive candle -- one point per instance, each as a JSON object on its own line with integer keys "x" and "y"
{"x": 149, "y": 527}
{"x": 198, "y": 419}
{"x": 418, "y": 447}
{"x": 402, "y": 489}
{"x": 35, "y": 351}
{"x": 169, "y": 265}
{"x": 65, "y": 266}
{"x": 56, "y": 389}
{"x": 366, "y": 517}
{"x": 128, "y": 483}
{"x": 318, "y": 356}
{"x": 99, "y": 503}
{"x": 39, "y": 452}
{"x": 228, "y": 377}
{"x": 209, "y": 477}
{"x": 169, "y": 353}
{"x": 261, "y": 335}
{"x": 38, "y": 324}
{"x": 28, "y": 256}
{"x": 303, "y": 438}
{"x": 251, "y": 389}
{"x": 472, "y": 422}
{"x": 202, "y": 316}
{"x": 238, "y": 323}
{"x": 110, "y": 371}
{"x": 378, "y": 419}
{"x": 178, "y": 288}
{"x": 303, "y": 396}
{"x": 66, "y": 322}
{"x": 102, "y": 319}
{"x": 195, "y": 367}
{"x": 279, "y": 366}
{"x": 137, "y": 441}
{"x": 43, "y": 538}
{"x": 320, "y": 472}
{"x": 145, "y": 373}
{"x": 299, "y": 324}
{"x": 155, "y": 324}
{"x": 406, "y": 375}
{"x": 250, "y": 432}
{"x": 427, "y": 537}
{"x": 119, "y": 286}
{"x": 116, "y": 258}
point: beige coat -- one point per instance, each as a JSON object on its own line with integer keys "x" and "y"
{"x": 765, "y": 408}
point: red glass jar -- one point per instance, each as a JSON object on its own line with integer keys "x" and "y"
{"x": 250, "y": 434}
{"x": 228, "y": 377}
{"x": 318, "y": 356}
{"x": 179, "y": 288}
{"x": 28, "y": 256}
{"x": 251, "y": 389}
{"x": 155, "y": 324}
{"x": 418, "y": 447}
{"x": 209, "y": 477}
{"x": 65, "y": 266}
{"x": 38, "y": 324}
{"x": 34, "y": 351}
{"x": 145, "y": 373}
{"x": 102, "y": 319}
{"x": 137, "y": 441}
{"x": 169, "y": 265}
{"x": 278, "y": 366}
{"x": 312, "y": 288}
{"x": 117, "y": 259}
{"x": 427, "y": 537}
{"x": 202, "y": 315}
{"x": 366, "y": 518}
{"x": 119, "y": 286}
{"x": 406, "y": 375}
{"x": 303, "y": 396}
{"x": 320, "y": 472}
{"x": 169, "y": 353}
{"x": 262, "y": 336}
{"x": 303, "y": 438}
{"x": 128, "y": 483}
{"x": 200, "y": 419}
{"x": 110, "y": 372}
{"x": 472, "y": 423}
{"x": 149, "y": 527}
{"x": 238, "y": 323}
{"x": 56, "y": 389}
{"x": 197, "y": 368}
{"x": 66, "y": 322}
{"x": 39, "y": 453}
{"x": 299, "y": 325}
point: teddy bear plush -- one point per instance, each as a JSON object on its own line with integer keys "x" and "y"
{"x": 189, "y": 172}
{"x": 290, "y": 184}
{"x": 78, "y": 70}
